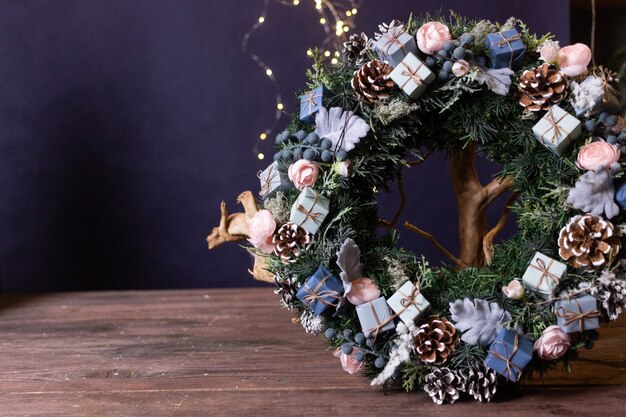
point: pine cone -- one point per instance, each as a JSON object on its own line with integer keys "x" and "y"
{"x": 371, "y": 82}
{"x": 312, "y": 323}
{"x": 542, "y": 87}
{"x": 589, "y": 240}
{"x": 289, "y": 242}
{"x": 611, "y": 291}
{"x": 435, "y": 339}
{"x": 443, "y": 384}
{"x": 286, "y": 290}
{"x": 355, "y": 49}
{"x": 480, "y": 383}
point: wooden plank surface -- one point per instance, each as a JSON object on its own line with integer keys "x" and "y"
{"x": 231, "y": 353}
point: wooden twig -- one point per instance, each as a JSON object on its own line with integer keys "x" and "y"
{"x": 421, "y": 159}
{"x": 496, "y": 188}
{"x": 459, "y": 263}
{"x": 491, "y": 234}
{"x": 391, "y": 223}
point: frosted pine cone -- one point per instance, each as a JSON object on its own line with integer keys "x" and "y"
{"x": 541, "y": 87}
{"x": 355, "y": 49}
{"x": 386, "y": 27}
{"x": 612, "y": 293}
{"x": 435, "y": 340}
{"x": 371, "y": 82}
{"x": 589, "y": 241}
{"x": 480, "y": 383}
{"x": 286, "y": 290}
{"x": 290, "y": 241}
{"x": 443, "y": 385}
{"x": 312, "y": 323}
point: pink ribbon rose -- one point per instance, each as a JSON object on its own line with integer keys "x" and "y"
{"x": 303, "y": 173}
{"x": 348, "y": 363}
{"x": 431, "y": 37}
{"x": 261, "y": 229}
{"x": 596, "y": 155}
{"x": 363, "y": 290}
{"x": 574, "y": 59}
{"x": 514, "y": 290}
{"x": 552, "y": 344}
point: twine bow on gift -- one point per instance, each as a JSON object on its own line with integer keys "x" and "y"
{"x": 379, "y": 324}
{"x": 557, "y": 130}
{"x": 308, "y": 213}
{"x": 391, "y": 38}
{"x": 507, "y": 358}
{"x": 507, "y": 41}
{"x": 309, "y": 101}
{"x": 411, "y": 74}
{"x": 545, "y": 272}
{"x": 408, "y": 300}
{"x": 571, "y": 316}
{"x": 267, "y": 180}
{"x": 314, "y": 295}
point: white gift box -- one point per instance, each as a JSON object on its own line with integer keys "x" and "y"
{"x": 543, "y": 275}
{"x": 408, "y": 302}
{"x": 374, "y": 317}
{"x": 557, "y": 129}
{"x": 412, "y": 76}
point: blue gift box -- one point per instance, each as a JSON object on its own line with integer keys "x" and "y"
{"x": 394, "y": 45}
{"x": 310, "y": 103}
{"x": 620, "y": 195}
{"x": 578, "y": 315}
{"x": 509, "y": 354}
{"x": 321, "y": 290}
{"x": 506, "y": 48}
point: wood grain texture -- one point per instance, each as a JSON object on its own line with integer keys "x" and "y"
{"x": 231, "y": 353}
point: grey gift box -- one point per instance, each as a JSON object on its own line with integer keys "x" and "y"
{"x": 272, "y": 180}
{"x": 578, "y": 315}
{"x": 412, "y": 76}
{"x": 374, "y": 316}
{"x": 408, "y": 302}
{"x": 543, "y": 275}
{"x": 310, "y": 210}
{"x": 557, "y": 129}
{"x": 394, "y": 45}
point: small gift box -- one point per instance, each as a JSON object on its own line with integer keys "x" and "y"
{"x": 374, "y": 316}
{"x": 310, "y": 210}
{"x": 272, "y": 180}
{"x": 394, "y": 45}
{"x": 506, "y": 48}
{"x": 310, "y": 103}
{"x": 412, "y": 76}
{"x": 557, "y": 129}
{"x": 321, "y": 290}
{"x": 408, "y": 302}
{"x": 543, "y": 275}
{"x": 620, "y": 195}
{"x": 577, "y": 315}
{"x": 509, "y": 354}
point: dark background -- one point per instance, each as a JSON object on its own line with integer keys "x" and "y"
{"x": 123, "y": 123}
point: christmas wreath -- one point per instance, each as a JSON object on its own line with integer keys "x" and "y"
{"x": 498, "y": 313}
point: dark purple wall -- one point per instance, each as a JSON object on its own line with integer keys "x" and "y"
{"x": 123, "y": 123}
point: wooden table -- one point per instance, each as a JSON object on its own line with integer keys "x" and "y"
{"x": 230, "y": 353}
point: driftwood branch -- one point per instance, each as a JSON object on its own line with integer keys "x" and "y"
{"x": 459, "y": 263}
{"x": 491, "y": 234}
{"x": 496, "y": 188}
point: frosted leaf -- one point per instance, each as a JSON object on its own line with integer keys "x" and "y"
{"x": 349, "y": 261}
{"x": 479, "y": 320}
{"x": 344, "y": 129}
{"x": 587, "y": 95}
{"x": 594, "y": 193}
{"x": 497, "y": 80}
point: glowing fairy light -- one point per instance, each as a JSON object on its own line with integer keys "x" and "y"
{"x": 336, "y": 19}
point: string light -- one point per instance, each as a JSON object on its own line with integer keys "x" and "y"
{"x": 336, "y": 18}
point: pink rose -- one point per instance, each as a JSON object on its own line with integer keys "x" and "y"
{"x": 460, "y": 68}
{"x": 261, "y": 229}
{"x": 552, "y": 344}
{"x": 514, "y": 290}
{"x": 596, "y": 155}
{"x": 574, "y": 59}
{"x": 363, "y": 290}
{"x": 431, "y": 37}
{"x": 348, "y": 363}
{"x": 303, "y": 173}
{"x": 549, "y": 52}
{"x": 344, "y": 168}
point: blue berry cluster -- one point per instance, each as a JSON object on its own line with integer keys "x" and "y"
{"x": 454, "y": 50}
{"x": 350, "y": 340}
{"x": 603, "y": 125}
{"x": 300, "y": 145}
